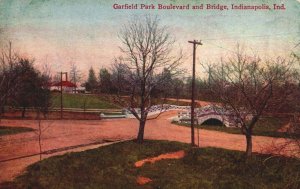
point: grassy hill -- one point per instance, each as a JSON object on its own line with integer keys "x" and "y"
{"x": 89, "y": 101}
{"x": 112, "y": 167}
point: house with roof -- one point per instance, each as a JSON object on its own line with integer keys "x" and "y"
{"x": 66, "y": 86}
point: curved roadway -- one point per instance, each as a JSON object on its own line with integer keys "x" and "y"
{"x": 59, "y": 134}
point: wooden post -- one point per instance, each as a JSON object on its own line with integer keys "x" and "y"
{"x": 195, "y": 43}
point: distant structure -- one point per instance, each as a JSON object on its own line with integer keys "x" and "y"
{"x": 212, "y": 112}
{"x": 203, "y": 114}
{"x": 67, "y": 86}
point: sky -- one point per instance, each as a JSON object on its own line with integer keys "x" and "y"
{"x": 58, "y": 32}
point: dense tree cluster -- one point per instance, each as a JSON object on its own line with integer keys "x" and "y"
{"x": 22, "y": 85}
{"x": 91, "y": 84}
{"x": 33, "y": 90}
{"x": 102, "y": 84}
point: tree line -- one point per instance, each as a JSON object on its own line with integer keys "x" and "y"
{"x": 176, "y": 87}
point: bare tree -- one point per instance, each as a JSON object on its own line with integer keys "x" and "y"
{"x": 9, "y": 75}
{"x": 120, "y": 78}
{"x": 75, "y": 74}
{"x": 148, "y": 51}
{"x": 178, "y": 86}
{"x": 294, "y": 129}
{"x": 43, "y": 103}
{"x": 41, "y": 129}
{"x": 248, "y": 87}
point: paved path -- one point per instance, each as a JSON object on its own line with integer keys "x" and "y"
{"x": 65, "y": 133}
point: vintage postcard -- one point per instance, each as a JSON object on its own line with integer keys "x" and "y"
{"x": 149, "y": 94}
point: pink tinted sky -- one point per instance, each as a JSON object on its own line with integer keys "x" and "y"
{"x": 85, "y": 32}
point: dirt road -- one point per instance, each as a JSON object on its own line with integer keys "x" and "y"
{"x": 65, "y": 133}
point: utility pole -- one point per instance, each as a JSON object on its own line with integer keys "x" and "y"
{"x": 61, "y": 92}
{"x": 10, "y": 60}
{"x": 74, "y": 82}
{"x": 195, "y": 43}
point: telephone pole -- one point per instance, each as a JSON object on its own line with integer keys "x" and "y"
{"x": 61, "y": 92}
{"x": 195, "y": 43}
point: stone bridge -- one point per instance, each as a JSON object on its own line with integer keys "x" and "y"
{"x": 202, "y": 114}
{"x": 210, "y": 112}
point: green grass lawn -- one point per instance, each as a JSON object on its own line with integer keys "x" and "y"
{"x": 78, "y": 101}
{"x": 13, "y": 130}
{"x": 112, "y": 167}
{"x": 96, "y": 102}
{"x": 267, "y": 126}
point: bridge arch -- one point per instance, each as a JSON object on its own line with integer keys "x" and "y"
{"x": 220, "y": 118}
{"x": 213, "y": 122}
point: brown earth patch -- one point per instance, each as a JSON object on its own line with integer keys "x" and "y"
{"x": 143, "y": 180}
{"x": 174, "y": 155}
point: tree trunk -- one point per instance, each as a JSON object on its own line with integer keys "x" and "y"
{"x": 40, "y": 138}
{"x": 23, "y": 112}
{"x": 140, "y": 137}
{"x": 2, "y": 110}
{"x": 249, "y": 144}
{"x": 1, "y": 113}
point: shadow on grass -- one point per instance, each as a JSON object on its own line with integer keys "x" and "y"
{"x": 113, "y": 167}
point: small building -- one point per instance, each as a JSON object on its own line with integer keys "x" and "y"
{"x": 79, "y": 89}
{"x": 66, "y": 86}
